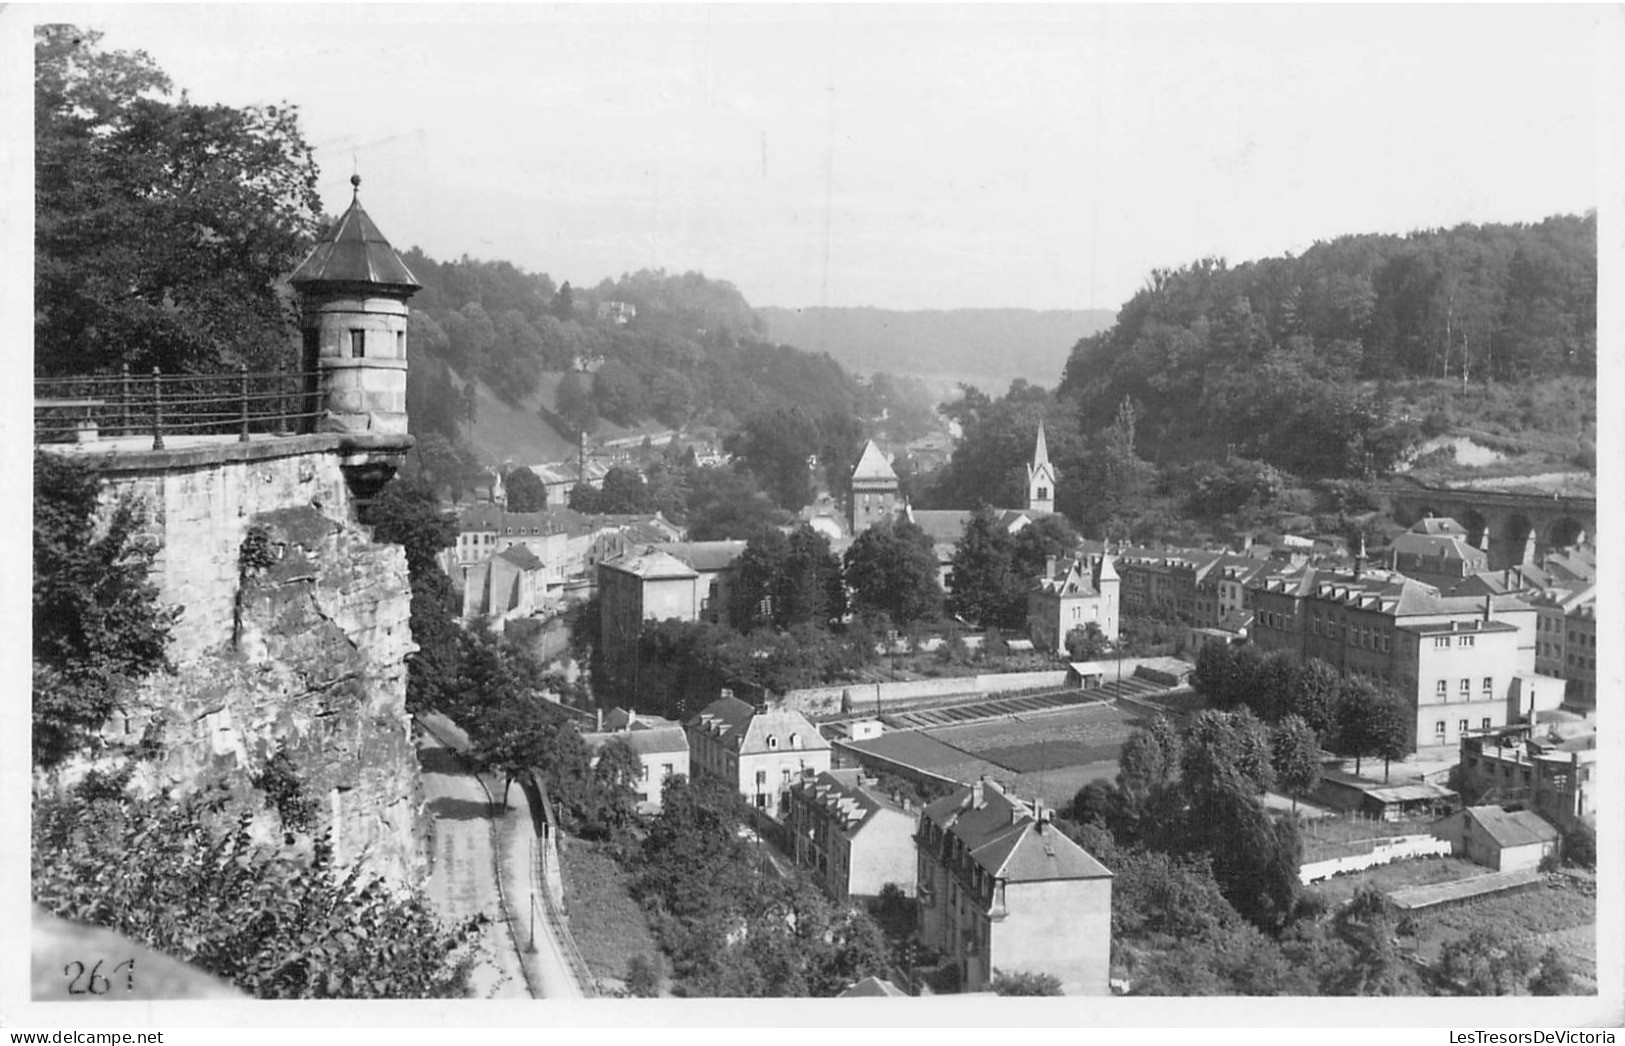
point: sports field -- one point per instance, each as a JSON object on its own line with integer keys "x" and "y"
{"x": 1049, "y": 754}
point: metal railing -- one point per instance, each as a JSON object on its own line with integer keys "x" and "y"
{"x": 241, "y": 403}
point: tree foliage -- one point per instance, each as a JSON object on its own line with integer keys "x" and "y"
{"x": 892, "y": 568}
{"x": 407, "y": 513}
{"x": 97, "y": 624}
{"x": 985, "y": 585}
{"x": 178, "y": 874}
{"x": 784, "y": 581}
{"x": 733, "y": 929}
{"x": 1295, "y": 754}
{"x": 1026, "y": 983}
{"x": 1269, "y": 356}
{"x": 161, "y": 227}
{"x": 526, "y": 491}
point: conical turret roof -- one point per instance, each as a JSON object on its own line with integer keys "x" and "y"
{"x": 354, "y": 251}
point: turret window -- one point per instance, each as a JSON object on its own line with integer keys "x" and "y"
{"x": 358, "y": 344}
{"x": 400, "y": 345}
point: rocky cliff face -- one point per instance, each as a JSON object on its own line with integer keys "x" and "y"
{"x": 306, "y": 668}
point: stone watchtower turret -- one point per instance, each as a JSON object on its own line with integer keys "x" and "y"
{"x": 353, "y": 289}
{"x": 874, "y": 489}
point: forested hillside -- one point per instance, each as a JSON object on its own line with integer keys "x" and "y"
{"x": 1268, "y": 357}
{"x": 506, "y": 366}
{"x": 1238, "y": 396}
{"x": 989, "y": 347}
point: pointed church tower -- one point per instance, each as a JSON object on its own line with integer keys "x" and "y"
{"x": 1041, "y": 479}
{"x": 874, "y": 489}
{"x": 353, "y": 289}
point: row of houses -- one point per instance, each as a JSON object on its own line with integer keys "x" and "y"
{"x": 990, "y": 871}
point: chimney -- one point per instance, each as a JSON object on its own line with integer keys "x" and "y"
{"x": 977, "y": 798}
{"x": 1049, "y": 566}
{"x": 1486, "y": 608}
{"x": 600, "y": 727}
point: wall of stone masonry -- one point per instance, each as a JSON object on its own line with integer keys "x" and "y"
{"x": 200, "y": 509}
{"x": 304, "y": 653}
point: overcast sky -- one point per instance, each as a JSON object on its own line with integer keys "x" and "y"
{"x": 912, "y": 156}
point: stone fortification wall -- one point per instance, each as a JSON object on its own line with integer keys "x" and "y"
{"x": 298, "y": 647}
{"x": 897, "y": 697}
{"x": 201, "y": 503}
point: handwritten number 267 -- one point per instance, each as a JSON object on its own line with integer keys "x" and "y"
{"x": 83, "y": 980}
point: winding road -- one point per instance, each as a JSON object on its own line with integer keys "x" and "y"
{"x": 467, "y": 845}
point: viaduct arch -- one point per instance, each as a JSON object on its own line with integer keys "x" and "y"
{"x": 1513, "y": 528}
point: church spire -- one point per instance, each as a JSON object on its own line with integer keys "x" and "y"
{"x": 1040, "y": 478}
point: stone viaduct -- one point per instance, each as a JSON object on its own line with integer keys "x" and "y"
{"x": 1514, "y": 528}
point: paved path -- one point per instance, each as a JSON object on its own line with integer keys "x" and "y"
{"x": 463, "y": 880}
{"x": 546, "y": 955}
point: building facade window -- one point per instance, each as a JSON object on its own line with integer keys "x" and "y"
{"x": 358, "y": 344}
{"x": 1466, "y": 687}
{"x": 1438, "y": 729}
{"x": 1464, "y": 641}
{"x": 1489, "y": 685}
{"x": 1441, "y": 689}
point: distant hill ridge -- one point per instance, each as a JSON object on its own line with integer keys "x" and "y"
{"x": 989, "y": 347}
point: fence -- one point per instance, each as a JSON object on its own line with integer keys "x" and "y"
{"x": 542, "y": 874}
{"x": 72, "y": 409}
{"x": 1383, "y": 851}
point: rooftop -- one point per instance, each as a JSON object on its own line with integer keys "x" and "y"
{"x": 658, "y": 740}
{"x": 1010, "y": 839}
{"x": 872, "y": 465}
{"x": 748, "y": 730}
{"x": 1512, "y": 828}
{"x": 706, "y": 555}
{"x": 649, "y": 564}
{"x": 352, "y": 250}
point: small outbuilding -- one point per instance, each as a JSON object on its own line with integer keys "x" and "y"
{"x": 1505, "y": 840}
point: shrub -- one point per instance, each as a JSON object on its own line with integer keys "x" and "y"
{"x": 643, "y": 976}
{"x": 1025, "y": 984}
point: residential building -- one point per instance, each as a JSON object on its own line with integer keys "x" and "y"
{"x": 851, "y": 837}
{"x": 760, "y": 752}
{"x": 507, "y": 585}
{"x": 660, "y": 745}
{"x": 619, "y": 313}
{"x": 1077, "y": 595}
{"x": 1001, "y": 889}
{"x": 715, "y": 563}
{"x": 1436, "y": 550}
{"x": 1460, "y": 675}
{"x": 683, "y": 581}
{"x": 1548, "y": 766}
{"x": 1499, "y": 839}
{"x": 1580, "y": 655}
{"x": 649, "y": 585}
{"x": 1403, "y": 634}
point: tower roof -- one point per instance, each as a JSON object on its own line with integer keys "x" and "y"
{"x": 352, "y": 250}
{"x": 1041, "y": 449}
{"x": 872, "y": 464}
